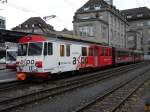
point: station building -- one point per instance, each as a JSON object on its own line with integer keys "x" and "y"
{"x": 34, "y": 25}
{"x": 134, "y": 40}
{"x": 139, "y": 20}
{"x": 100, "y": 21}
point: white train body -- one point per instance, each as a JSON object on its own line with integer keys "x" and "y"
{"x": 53, "y": 63}
{"x": 49, "y": 57}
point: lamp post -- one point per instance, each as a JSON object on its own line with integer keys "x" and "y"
{"x": 46, "y": 18}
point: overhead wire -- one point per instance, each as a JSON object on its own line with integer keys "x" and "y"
{"x": 18, "y": 7}
{"x": 70, "y": 3}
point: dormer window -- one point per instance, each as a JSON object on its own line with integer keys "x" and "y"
{"x": 19, "y": 25}
{"x": 97, "y": 8}
{"x": 84, "y": 17}
{"x": 33, "y": 25}
{"x": 26, "y": 26}
{"x": 86, "y": 8}
{"x": 129, "y": 16}
{"x": 139, "y": 15}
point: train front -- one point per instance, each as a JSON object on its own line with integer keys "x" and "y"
{"x": 30, "y": 60}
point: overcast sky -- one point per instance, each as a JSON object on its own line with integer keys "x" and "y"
{"x": 17, "y": 11}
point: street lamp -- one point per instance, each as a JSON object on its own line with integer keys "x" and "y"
{"x": 46, "y": 18}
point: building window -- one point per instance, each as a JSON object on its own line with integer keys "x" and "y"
{"x": 148, "y": 23}
{"x": 130, "y": 38}
{"x": 104, "y": 32}
{"x": 97, "y": 7}
{"x": 129, "y": 16}
{"x": 139, "y": 15}
{"x": 86, "y": 31}
{"x": 86, "y": 8}
{"x": 33, "y": 25}
{"x": 140, "y": 24}
{"x": 26, "y": 26}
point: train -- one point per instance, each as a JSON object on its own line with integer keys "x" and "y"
{"x": 11, "y": 54}
{"x": 40, "y": 56}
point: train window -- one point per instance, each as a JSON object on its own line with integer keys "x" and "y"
{"x": 91, "y": 52}
{"x": 106, "y": 52}
{"x": 110, "y": 52}
{"x": 102, "y": 51}
{"x": 50, "y": 49}
{"x": 22, "y": 49}
{"x": 62, "y": 50}
{"x": 84, "y": 51}
{"x": 35, "y": 49}
{"x": 45, "y": 48}
{"x": 68, "y": 50}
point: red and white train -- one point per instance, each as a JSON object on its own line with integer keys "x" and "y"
{"x": 40, "y": 56}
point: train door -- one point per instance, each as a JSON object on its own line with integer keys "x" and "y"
{"x": 96, "y": 56}
{"x": 50, "y": 60}
{"x": 65, "y": 60}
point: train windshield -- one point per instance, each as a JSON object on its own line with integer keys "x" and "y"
{"x": 11, "y": 55}
{"x": 35, "y": 49}
{"x": 22, "y": 49}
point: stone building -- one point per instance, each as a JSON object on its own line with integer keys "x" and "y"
{"x": 34, "y": 25}
{"x": 98, "y": 21}
{"x": 139, "y": 20}
{"x": 134, "y": 40}
{"x": 2, "y": 23}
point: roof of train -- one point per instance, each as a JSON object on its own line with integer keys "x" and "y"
{"x": 55, "y": 36}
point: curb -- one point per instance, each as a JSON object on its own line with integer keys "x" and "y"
{"x": 8, "y": 80}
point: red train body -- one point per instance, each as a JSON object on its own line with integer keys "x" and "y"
{"x": 54, "y": 55}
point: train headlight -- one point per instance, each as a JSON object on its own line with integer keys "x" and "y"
{"x": 39, "y": 64}
{"x": 21, "y": 76}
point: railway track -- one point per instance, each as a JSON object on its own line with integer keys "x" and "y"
{"x": 114, "y": 98}
{"x": 63, "y": 86}
{"x": 9, "y": 85}
{"x": 17, "y": 85}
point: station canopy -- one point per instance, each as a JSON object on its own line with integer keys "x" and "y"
{"x": 11, "y": 36}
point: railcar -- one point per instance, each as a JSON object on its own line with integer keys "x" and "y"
{"x": 123, "y": 56}
{"x": 41, "y": 56}
{"x": 138, "y": 56}
{"x": 11, "y": 54}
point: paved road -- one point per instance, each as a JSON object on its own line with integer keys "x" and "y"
{"x": 7, "y": 75}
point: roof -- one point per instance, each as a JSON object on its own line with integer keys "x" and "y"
{"x": 55, "y": 36}
{"x": 11, "y": 36}
{"x": 91, "y": 4}
{"x": 136, "y": 13}
{"x": 33, "y": 22}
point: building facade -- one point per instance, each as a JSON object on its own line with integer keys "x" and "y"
{"x": 139, "y": 20}
{"x": 134, "y": 40}
{"x": 2, "y": 23}
{"x": 98, "y": 21}
{"x": 34, "y": 25}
